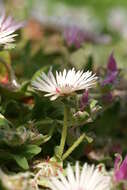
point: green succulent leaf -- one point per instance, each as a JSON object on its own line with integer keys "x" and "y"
{"x": 21, "y": 161}
{"x": 31, "y": 150}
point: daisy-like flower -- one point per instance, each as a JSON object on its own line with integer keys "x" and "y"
{"x": 90, "y": 178}
{"x": 7, "y": 27}
{"x": 64, "y": 83}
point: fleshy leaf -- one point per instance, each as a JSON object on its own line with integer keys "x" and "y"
{"x": 21, "y": 161}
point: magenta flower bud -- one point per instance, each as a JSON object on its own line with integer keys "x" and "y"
{"x": 112, "y": 66}
{"x": 110, "y": 79}
{"x": 84, "y": 100}
{"x": 112, "y": 71}
{"x": 120, "y": 172}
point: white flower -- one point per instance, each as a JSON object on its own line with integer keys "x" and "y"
{"x": 7, "y": 27}
{"x": 90, "y": 178}
{"x": 64, "y": 83}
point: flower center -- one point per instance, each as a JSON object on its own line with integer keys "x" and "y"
{"x": 57, "y": 90}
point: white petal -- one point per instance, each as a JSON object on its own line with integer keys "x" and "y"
{"x": 90, "y": 179}
{"x": 64, "y": 83}
{"x": 7, "y": 27}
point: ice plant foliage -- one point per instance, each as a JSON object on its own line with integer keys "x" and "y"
{"x": 120, "y": 169}
{"x": 64, "y": 83}
{"x": 90, "y": 178}
{"x": 7, "y": 27}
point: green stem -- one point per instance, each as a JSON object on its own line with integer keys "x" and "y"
{"x": 76, "y": 143}
{"x": 64, "y": 132}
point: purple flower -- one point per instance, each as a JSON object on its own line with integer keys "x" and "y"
{"x": 120, "y": 172}
{"x": 7, "y": 27}
{"x": 112, "y": 71}
{"x": 84, "y": 100}
{"x": 74, "y": 36}
{"x": 112, "y": 66}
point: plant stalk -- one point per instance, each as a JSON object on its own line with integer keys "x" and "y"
{"x": 76, "y": 143}
{"x": 64, "y": 131}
